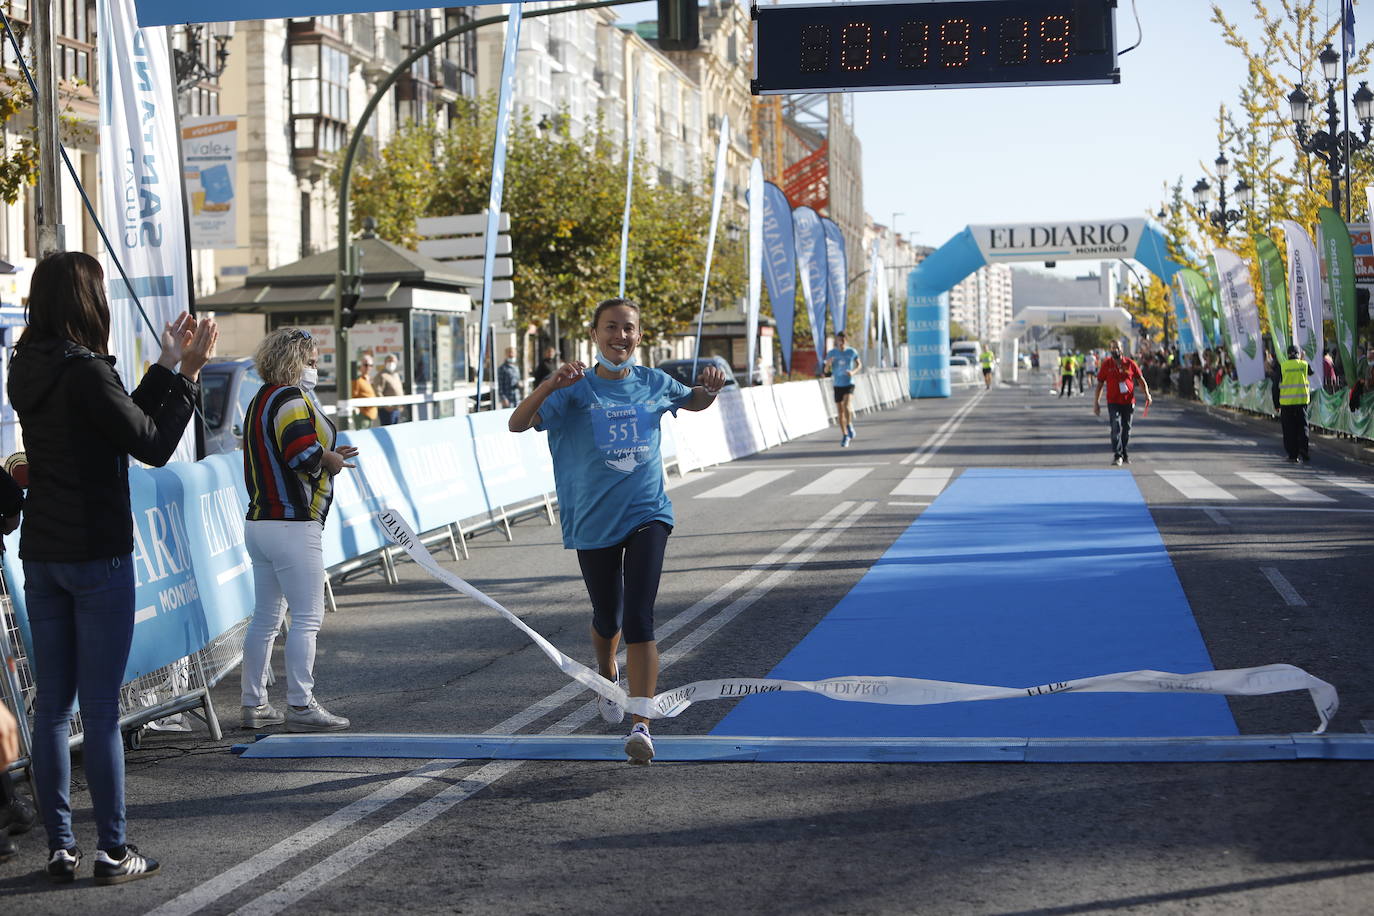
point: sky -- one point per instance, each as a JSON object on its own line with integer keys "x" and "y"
{"x": 943, "y": 159}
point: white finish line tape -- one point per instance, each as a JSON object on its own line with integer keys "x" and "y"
{"x": 894, "y": 691}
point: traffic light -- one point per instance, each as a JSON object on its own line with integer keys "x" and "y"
{"x": 348, "y": 301}
{"x": 679, "y": 27}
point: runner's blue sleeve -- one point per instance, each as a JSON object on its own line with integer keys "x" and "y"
{"x": 553, "y": 410}
{"x": 675, "y": 393}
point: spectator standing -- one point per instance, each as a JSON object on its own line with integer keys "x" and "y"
{"x": 364, "y": 417}
{"x": 1294, "y": 393}
{"x": 290, "y": 460}
{"x": 1066, "y": 369}
{"x": 547, "y": 366}
{"x": 80, "y": 427}
{"x": 508, "y": 384}
{"x": 388, "y": 384}
{"x": 16, "y": 815}
{"x": 1118, "y": 375}
{"x": 1328, "y": 372}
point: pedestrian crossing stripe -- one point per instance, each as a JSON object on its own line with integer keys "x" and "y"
{"x": 924, "y": 482}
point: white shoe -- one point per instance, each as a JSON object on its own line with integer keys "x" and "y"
{"x": 639, "y": 747}
{"x": 610, "y": 710}
{"x": 258, "y": 716}
{"x": 314, "y": 718}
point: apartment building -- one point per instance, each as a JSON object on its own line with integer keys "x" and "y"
{"x": 982, "y": 302}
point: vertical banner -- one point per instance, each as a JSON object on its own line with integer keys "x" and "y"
{"x": 885, "y": 316}
{"x": 141, "y": 196}
{"x": 1187, "y": 343}
{"x": 780, "y": 265}
{"x": 1339, "y": 257}
{"x": 751, "y": 320}
{"x": 927, "y": 337}
{"x": 1214, "y": 313}
{"x": 498, "y": 187}
{"x": 209, "y": 157}
{"x": 631, "y": 144}
{"x": 1191, "y": 286}
{"x": 1275, "y": 286}
{"x": 870, "y": 301}
{"x": 837, "y": 268}
{"x": 811, "y": 259}
{"x": 1304, "y": 296}
{"x": 1242, "y": 316}
{"x": 717, "y": 189}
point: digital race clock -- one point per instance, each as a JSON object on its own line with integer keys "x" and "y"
{"x": 939, "y": 44}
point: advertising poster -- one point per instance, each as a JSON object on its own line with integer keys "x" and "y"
{"x": 209, "y": 151}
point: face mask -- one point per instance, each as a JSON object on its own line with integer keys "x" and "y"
{"x": 390, "y": 367}
{"x": 308, "y": 379}
{"x": 614, "y": 367}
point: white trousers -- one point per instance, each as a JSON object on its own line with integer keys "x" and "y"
{"x": 288, "y": 569}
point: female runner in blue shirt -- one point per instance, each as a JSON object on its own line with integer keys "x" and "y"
{"x": 603, "y": 428}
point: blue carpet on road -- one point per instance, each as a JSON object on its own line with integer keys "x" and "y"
{"x": 1014, "y": 578}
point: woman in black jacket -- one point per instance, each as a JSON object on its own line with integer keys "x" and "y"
{"x": 80, "y": 427}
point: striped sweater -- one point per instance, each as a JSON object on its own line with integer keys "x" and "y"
{"x": 284, "y": 440}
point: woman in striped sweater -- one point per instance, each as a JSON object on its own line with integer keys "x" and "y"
{"x": 289, "y": 462}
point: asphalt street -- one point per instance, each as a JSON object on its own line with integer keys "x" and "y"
{"x": 1271, "y": 574}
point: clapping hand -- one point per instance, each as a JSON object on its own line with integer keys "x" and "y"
{"x": 201, "y": 348}
{"x": 176, "y": 336}
{"x": 334, "y": 462}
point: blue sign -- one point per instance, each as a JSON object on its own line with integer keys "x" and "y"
{"x": 171, "y": 12}
{"x": 927, "y": 335}
{"x": 780, "y": 265}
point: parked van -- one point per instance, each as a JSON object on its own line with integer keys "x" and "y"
{"x": 968, "y": 349}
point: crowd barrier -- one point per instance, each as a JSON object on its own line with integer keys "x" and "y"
{"x": 448, "y": 478}
{"x": 1329, "y": 411}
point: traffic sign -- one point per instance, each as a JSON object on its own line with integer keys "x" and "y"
{"x": 836, "y": 47}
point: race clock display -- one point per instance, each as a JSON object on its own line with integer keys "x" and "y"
{"x": 834, "y": 47}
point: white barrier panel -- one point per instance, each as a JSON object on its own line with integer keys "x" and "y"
{"x": 802, "y": 408}
{"x": 766, "y": 412}
{"x": 891, "y": 691}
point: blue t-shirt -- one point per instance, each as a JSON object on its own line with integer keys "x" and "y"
{"x": 841, "y": 364}
{"x": 607, "y": 468}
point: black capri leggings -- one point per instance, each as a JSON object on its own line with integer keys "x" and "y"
{"x": 622, "y": 582}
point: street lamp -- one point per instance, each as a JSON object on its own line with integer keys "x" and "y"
{"x": 191, "y": 64}
{"x": 1222, "y": 217}
{"x": 1333, "y": 145}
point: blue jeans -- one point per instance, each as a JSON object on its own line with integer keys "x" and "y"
{"x": 82, "y": 619}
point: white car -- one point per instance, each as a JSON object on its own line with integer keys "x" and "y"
{"x": 963, "y": 372}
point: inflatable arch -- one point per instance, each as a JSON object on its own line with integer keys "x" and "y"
{"x": 928, "y": 285}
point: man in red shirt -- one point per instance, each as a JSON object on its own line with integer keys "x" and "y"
{"x": 1119, "y": 375}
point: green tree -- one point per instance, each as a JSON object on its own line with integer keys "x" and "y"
{"x": 565, "y": 197}
{"x": 1086, "y": 336}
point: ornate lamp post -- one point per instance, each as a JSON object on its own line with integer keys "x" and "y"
{"x": 1333, "y": 145}
{"x": 1222, "y": 217}
{"x": 191, "y": 65}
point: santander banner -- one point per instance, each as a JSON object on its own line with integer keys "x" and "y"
{"x": 1104, "y": 238}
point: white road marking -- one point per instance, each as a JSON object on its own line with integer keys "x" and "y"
{"x": 274, "y": 856}
{"x": 894, "y": 502}
{"x": 943, "y": 433}
{"x": 1282, "y": 486}
{"x": 674, "y": 482}
{"x": 1193, "y": 485}
{"x": 1283, "y": 587}
{"x": 1350, "y": 483}
{"x": 924, "y": 482}
{"x": 1215, "y": 516}
{"x": 834, "y": 482}
{"x": 742, "y": 485}
{"x": 1270, "y": 508}
{"x": 346, "y": 860}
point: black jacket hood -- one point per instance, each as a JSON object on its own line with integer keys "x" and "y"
{"x": 37, "y": 366}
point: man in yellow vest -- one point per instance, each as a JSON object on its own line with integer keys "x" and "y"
{"x": 1066, "y": 370}
{"x": 1294, "y": 393}
{"x": 987, "y": 358}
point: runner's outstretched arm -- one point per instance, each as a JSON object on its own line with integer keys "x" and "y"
{"x": 526, "y": 413}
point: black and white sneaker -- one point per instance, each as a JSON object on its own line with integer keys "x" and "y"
{"x": 109, "y": 870}
{"x": 639, "y": 747}
{"x": 63, "y": 864}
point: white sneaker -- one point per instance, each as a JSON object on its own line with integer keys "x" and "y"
{"x": 314, "y": 718}
{"x": 258, "y": 716}
{"x": 611, "y": 711}
{"x": 639, "y": 747}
